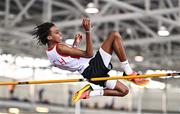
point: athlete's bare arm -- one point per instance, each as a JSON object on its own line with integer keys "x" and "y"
{"x": 78, "y": 52}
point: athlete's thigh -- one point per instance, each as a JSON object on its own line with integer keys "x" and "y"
{"x": 107, "y": 44}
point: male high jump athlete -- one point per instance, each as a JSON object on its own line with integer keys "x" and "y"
{"x": 71, "y": 58}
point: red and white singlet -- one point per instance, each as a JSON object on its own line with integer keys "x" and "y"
{"x": 66, "y": 62}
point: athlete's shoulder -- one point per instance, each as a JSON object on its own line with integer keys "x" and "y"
{"x": 60, "y": 45}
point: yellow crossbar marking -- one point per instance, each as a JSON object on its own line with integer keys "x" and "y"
{"x": 92, "y": 79}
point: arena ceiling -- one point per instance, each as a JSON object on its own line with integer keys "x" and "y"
{"x": 138, "y": 22}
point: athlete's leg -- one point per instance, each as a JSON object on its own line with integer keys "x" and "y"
{"x": 113, "y": 88}
{"x": 114, "y": 43}
{"x": 119, "y": 90}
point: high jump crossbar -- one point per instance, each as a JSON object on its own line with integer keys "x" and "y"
{"x": 92, "y": 79}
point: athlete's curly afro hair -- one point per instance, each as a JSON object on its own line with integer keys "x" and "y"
{"x": 41, "y": 32}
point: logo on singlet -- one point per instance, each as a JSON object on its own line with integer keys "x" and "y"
{"x": 60, "y": 61}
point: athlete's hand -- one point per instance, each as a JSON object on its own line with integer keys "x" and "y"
{"x": 77, "y": 39}
{"x": 86, "y": 24}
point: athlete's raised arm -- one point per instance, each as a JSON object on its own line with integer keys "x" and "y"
{"x": 66, "y": 50}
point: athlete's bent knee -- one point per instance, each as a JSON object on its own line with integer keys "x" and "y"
{"x": 115, "y": 33}
{"x": 124, "y": 93}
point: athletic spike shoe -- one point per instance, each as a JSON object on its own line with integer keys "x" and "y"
{"x": 137, "y": 81}
{"x": 82, "y": 94}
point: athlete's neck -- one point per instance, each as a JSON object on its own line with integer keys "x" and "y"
{"x": 51, "y": 45}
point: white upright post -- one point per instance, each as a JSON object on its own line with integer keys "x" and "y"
{"x": 32, "y": 89}
{"x": 164, "y": 99}
{"x": 139, "y": 106}
{"x": 77, "y": 107}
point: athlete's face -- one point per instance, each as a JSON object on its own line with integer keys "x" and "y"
{"x": 55, "y": 35}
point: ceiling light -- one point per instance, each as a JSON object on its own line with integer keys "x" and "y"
{"x": 91, "y": 8}
{"x": 129, "y": 30}
{"x": 139, "y": 58}
{"x": 163, "y": 31}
